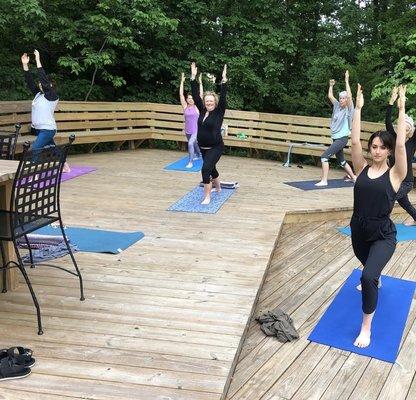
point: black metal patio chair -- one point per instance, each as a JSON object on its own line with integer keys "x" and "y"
{"x": 8, "y": 143}
{"x": 35, "y": 203}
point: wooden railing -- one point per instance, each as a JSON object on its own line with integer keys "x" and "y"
{"x": 97, "y": 122}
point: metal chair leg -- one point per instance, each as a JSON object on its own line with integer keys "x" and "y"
{"x": 81, "y": 286}
{"x": 3, "y": 258}
{"x": 29, "y": 285}
{"x": 32, "y": 264}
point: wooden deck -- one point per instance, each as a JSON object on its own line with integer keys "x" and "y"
{"x": 164, "y": 319}
{"x": 303, "y": 277}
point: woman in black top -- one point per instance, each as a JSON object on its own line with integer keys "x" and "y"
{"x": 211, "y": 116}
{"x": 407, "y": 185}
{"x": 373, "y": 233}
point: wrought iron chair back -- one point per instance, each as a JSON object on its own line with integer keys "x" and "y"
{"x": 36, "y": 187}
{"x": 8, "y": 143}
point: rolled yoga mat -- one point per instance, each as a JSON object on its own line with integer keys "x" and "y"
{"x": 225, "y": 185}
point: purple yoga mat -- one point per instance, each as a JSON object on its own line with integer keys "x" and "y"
{"x": 76, "y": 170}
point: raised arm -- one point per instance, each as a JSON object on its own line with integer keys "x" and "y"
{"x": 201, "y": 86}
{"x": 389, "y": 124}
{"x": 358, "y": 159}
{"x": 28, "y": 75}
{"x": 399, "y": 170}
{"x": 348, "y": 89}
{"x": 195, "y": 89}
{"x": 181, "y": 95}
{"x": 47, "y": 86}
{"x": 331, "y": 97}
{"x": 222, "y": 104}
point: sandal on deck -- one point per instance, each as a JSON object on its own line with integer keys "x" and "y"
{"x": 9, "y": 370}
{"x": 19, "y": 355}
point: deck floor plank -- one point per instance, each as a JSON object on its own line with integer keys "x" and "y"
{"x": 304, "y": 288}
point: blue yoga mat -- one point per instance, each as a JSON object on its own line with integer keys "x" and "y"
{"x": 191, "y": 202}
{"x": 95, "y": 240}
{"x": 403, "y": 232}
{"x": 310, "y": 185}
{"x": 180, "y": 165}
{"x": 341, "y": 322}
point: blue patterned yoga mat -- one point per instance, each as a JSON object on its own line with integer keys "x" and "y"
{"x": 191, "y": 202}
{"x": 180, "y": 165}
{"x": 403, "y": 232}
{"x": 310, "y": 185}
{"x": 341, "y": 322}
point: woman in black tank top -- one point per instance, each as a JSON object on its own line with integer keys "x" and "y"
{"x": 373, "y": 233}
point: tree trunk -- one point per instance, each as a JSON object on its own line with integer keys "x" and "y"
{"x": 95, "y": 72}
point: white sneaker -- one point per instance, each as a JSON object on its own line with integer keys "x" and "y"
{"x": 321, "y": 183}
{"x": 189, "y": 165}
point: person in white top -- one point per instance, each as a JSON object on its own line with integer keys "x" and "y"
{"x": 43, "y": 105}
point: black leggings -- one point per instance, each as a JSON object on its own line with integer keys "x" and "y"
{"x": 374, "y": 256}
{"x": 403, "y": 198}
{"x": 211, "y": 157}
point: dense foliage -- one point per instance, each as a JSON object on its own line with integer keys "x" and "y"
{"x": 281, "y": 53}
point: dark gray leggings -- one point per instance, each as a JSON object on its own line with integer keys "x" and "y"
{"x": 403, "y": 198}
{"x": 337, "y": 148}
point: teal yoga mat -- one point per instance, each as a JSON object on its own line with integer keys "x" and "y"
{"x": 95, "y": 240}
{"x": 180, "y": 165}
{"x": 403, "y": 232}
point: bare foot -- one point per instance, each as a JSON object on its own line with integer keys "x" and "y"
{"x": 348, "y": 178}
{"x": 379, "y": 285}
{"x": 363, "y": 339}
{"x": 215, "y": 190}
{"x": 207, "y": 200}
{"x": 189, "y": 165}
{"x": 409, "y": 221}
{"x": 66, "y": 169}
{"x": 322, "y": 183}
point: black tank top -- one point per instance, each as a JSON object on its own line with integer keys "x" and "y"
{"x": 373, "y": 202}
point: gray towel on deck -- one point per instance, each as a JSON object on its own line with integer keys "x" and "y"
{"x": 279, "y": 324}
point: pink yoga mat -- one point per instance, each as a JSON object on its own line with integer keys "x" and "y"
{"x": 76, "y": 170}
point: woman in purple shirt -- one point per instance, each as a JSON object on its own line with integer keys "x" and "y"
{"x": 191, "y": 114}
